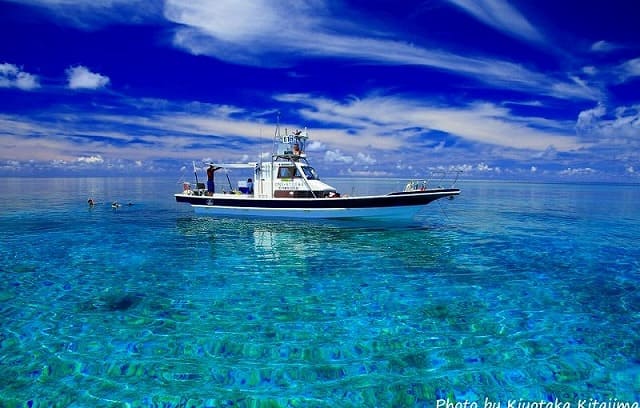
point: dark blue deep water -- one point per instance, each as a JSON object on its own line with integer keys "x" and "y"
{"x": 509, "y": 292}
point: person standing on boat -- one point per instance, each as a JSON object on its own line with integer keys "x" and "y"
{"x": 210, "y": 184}
{"x": 249, "y": 186}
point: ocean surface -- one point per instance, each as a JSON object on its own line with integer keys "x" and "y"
{"x": 510, "y": 292}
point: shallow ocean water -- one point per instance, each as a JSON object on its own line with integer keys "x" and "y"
{"x": 510, "y": 291}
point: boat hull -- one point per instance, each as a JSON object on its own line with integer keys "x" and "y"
{"x": 401, "y": 205}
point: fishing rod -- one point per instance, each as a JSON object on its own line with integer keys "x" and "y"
{"x": 229, "y": 180}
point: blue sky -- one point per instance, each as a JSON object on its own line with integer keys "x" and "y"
{"x": 516, "y": 90}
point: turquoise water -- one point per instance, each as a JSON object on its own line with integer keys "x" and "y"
{"x": 511, "y": 291}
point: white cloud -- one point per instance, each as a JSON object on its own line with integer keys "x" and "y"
{"x": 378, "y": 121}
{"x": 96, "y": 159}
{"x": 603, "y": 46}
{"x": 501, "y": 16}
{"x": 588, "y": 118}
{"x": 315, "y": 146}
{"x": 168, "y": 131}
{"x": 439, "y": 146}
{"x": 337, "y": 156}
{"x": 263, "y": 33}
{"x": 253, "y": 33}
{"x": 11, "y": 76}
{"x": 629, "y": 69}
{"x": 465, "y": 168}
{"x": 10, "y": 166}
{"x": 534, "y": 103}
{"x": 367, "y": 173}
{"x": 577, "y": 172}
{"x": 362, "y": 158}
{"x": 620, "y": 125}
{"x": 485, "y": 168}
{"x": 81, "y": 78}
{"x": 358, "y": 133}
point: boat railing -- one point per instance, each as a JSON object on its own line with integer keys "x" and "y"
{"x": 193, "y": 188}
{"x": 437, "y": 179}
{"x": 442, "y": 177}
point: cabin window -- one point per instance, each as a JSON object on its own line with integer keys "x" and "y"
{"x": 286, "y": 172}
{"x": 310, "y": 173}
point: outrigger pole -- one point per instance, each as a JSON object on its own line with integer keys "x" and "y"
{"x": 195, "y": 171}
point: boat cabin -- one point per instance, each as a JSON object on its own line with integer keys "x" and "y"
{"x": 286, "y": 175}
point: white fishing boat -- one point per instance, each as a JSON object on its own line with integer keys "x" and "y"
{"x": 287, "y": 186}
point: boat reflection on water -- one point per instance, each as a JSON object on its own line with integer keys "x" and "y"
{"x": 264, "y": 245}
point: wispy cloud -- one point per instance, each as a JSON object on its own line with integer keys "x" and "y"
{"x": 255, "y": 27}
{"x": 384, "y": 121}
{"x": 357, "y": 133}
{"x": 262, "y": 33}
{"x": 604, "y": 46}
{"x": 629, "y": 69}
{"x": 11, "y": 76}
{"x": 168, "y": 131}
{"x": 81, "y": 77}
{"x": 259, "y": 34}
{"x": 95, "y": 14}
{"x": 502, "y": 16}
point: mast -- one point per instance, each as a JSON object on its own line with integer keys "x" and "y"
{"x": 276, "y": 136}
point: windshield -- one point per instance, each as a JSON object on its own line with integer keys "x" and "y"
{"x": 310, "y": 173}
